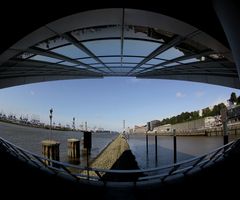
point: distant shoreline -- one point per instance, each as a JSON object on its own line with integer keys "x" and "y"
{"x": 233, "y": 129}
{"x": 33, "y": 126}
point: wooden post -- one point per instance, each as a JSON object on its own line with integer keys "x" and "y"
{"x": 147, "y": 150}
{"x": 225, "y": 133}
{"x": 87, "y": 140}
{"x": 50, "y": 149}
{"x": 74, "y": 151}
{"x": 156, "y": 156}
{"x": 224, "y": 118}
{"x": 174, "y": 147}
{"x": 87, "y": 145}
{"x": 147, "y": 143}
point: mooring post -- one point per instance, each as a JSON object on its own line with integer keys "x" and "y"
{"x": 147, "y": 143}
{"x": 224, "y": 118}
{"x": 156, "y": 156}
{"x": 225, "y": 133}
{"x": 50, "y": 149}
{"x": 87, "y": 145}
{"x": 74, "y": 151}
{"x": 174, "y": 146}
{"x": 146, "y": 150}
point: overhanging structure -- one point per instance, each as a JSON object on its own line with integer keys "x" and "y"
{"x": 118, "y": 42}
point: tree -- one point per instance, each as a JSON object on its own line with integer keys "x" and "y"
{"x": 233, "y": 98}
{"x": 206, "y": 112}
{"x": 195, "y": 115}
{"x": 238, "y": 100}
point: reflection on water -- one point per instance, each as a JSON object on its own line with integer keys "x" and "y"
{"x": 187, "y": 147}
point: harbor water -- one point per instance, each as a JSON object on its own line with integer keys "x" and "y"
{"x": 187, "y": 146}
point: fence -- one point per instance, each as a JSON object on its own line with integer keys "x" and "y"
{"x": 124, "y": 176}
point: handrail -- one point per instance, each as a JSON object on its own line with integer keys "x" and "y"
{"x": 161, "y": 173}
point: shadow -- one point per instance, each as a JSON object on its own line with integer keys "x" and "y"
{"x": 126, "y": 161}
{"x": 164, "y": 156}
{"x": 73, "y": 161}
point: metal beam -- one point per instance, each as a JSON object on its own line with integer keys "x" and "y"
{"x": 51, "y": 74}
{"x": 185, "y": 57}
{"x": 29, "y": 70}
{"x": 199, "y": 64}
{"x": 38, "y": 63}
{"x": 122, "y": 35}
{"x": 174, "y": 41}
{"x": 197, "y": 70}
{"x": 79, "y": 45}
{"x": 38, "y": 51}
{"x": 189, "y": 73}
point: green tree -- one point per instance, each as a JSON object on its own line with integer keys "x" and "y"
{"x": 233, "y": 98}
{"x": 215, "y": 110}
{"x": 195, "y": 115}
{"x": 238, "y": 100}
{"x": 206, "y": 112}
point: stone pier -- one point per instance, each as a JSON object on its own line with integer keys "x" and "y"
{"x": 50, "y": 149}
{"x": 74, "y": 151}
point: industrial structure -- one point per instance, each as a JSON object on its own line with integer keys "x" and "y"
{"x": 118, "y": 42}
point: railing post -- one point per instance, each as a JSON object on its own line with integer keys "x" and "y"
{"x": 174, "y": 146}
{"x": 156, "y": 156}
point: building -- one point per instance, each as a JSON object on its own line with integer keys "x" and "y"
{"x": 199, "y": 124}
{"x": 140, "y": 129}
{"x": 163, "y": 129}
{"x": 152, "y": 124}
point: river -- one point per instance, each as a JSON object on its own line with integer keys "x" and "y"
{"x": 187, "y": 146}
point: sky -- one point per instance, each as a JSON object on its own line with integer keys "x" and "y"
{"x": 105, "y": 103}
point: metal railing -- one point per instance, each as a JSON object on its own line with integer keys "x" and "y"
{"x": 106, "y": 175}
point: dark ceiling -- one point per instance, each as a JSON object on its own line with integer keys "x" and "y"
{"x": 21, "y": 18}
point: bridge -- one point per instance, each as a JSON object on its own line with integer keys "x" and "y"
{"x": 195, "y": 41}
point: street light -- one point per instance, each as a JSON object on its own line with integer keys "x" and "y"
{"x": 50, "y": 116}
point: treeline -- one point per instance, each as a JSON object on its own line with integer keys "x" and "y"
{"x": 189, "y": 116}
{"x": 206, "y": 112}
{"x": 234, "y": 99}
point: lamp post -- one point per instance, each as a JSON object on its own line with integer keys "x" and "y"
{"x": 50, "y": 116}
{"x": 73, "y": 125}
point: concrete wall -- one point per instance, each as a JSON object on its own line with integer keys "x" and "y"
{"x": 163, "y": 128}
{"x": 194, "y": 125}
{"x": 140, "y": 129}
{"x": 107, "y": 158}
{"x": 191, "y": 125}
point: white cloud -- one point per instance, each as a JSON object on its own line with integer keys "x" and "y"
{"x": 199, "y": 93}
{"x": 180, "y": 95}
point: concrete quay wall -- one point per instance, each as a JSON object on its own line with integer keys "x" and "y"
{"x": 111, "y": 153}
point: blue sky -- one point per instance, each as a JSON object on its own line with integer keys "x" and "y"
{"x": 107, "y": 102}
